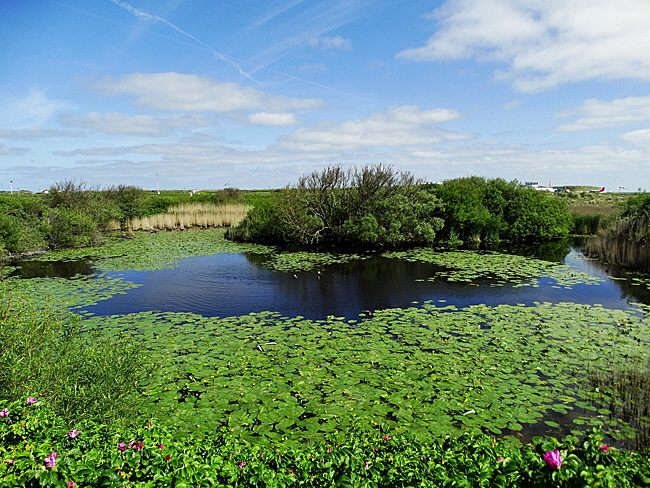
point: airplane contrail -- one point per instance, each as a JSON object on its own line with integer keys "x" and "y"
{"x": 141, "y": 14}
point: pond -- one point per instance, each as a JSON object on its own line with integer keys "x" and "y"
{"x": 225, "y": 285}
{"x": 276, "y": 345}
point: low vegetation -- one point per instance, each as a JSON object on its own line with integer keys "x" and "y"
{"x": 73, "y": 215}
{"x": 36, "y": 449}
{"x": 82, "y": 375}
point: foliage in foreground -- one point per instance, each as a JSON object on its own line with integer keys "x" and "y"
{"x": 82, "y": 375}
{"x": 37, "y": 449}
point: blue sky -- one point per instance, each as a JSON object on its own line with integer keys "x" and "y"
{"x": 255, "y": 93}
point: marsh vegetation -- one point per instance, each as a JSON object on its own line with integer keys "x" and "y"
{"x": 459, "y": 347}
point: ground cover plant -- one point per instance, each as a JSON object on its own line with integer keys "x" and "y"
{"x": 36, "y": 449}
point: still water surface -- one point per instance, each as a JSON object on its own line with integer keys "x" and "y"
{"x": 237, "y": 284}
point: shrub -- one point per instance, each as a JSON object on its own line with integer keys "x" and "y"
{"x": 71, "y": 228}
{"x": 372, "y": 205}
{"x": 478, "y": 209}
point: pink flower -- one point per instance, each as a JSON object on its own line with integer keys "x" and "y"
{"x": 50, "y": 461}
{"x": 11, "y": 461}
{"x": 161, "y": 446}
{"x": 604, "y": 447}
{"x": 499, "y": 458}
{"x": 168, "y": 457}
{"x": 122, "y": 446}
{"x": 552, "y": 459}
{"x": 366, "y": 465}
{"x": 71, "y": 484}
{"x": 241, "y": 465}
{"x": 138, "y": 446}
{"x": 4, "y": 412}
{"x": 386, "y": 437}
{"x": 31, "y": 400}
{"x": 376, "y": 450}
{"x": 131, "y": 444}
{"x": 73, "y": 433}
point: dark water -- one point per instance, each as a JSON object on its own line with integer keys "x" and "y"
{"x": 237, "y": 284}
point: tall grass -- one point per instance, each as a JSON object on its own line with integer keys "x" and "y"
{"x": 46, "y": 354}
{"x": 626, "y": 391}
{"x": 191, "y": 215}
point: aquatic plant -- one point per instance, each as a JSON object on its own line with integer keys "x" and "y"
{"x": 471, "y": 266}
{"x": 429, "y": 370}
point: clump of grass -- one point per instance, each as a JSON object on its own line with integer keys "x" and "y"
{"x": 626, "y": 392}
{"x": 192, "y": 215}
{"x": 46, "y": 353}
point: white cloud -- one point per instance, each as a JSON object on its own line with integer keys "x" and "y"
{"x": 398, "y": 126}
{"x": 511, "y": 105}
{"x": 544, "y": 42}
{"x": 33, "y": 110}
{"x": 325, "y": 42}
{"x": 193, "y": 93}
{"x": 136, "y": 125}
{"x": 274, "y": 119}
{"x": 637, "y": 137}
{"x": 597, "y": 113}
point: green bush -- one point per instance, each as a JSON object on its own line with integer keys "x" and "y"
{"x": 372, "y": 205}
{"x": 477, "y": 209}
{"x": 71, "y": 228}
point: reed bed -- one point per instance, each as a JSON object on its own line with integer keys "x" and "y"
{"x": 626, "y": 244}
{"x": 192, "y": 216}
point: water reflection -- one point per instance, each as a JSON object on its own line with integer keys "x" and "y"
{"x": 53, "y": 269}
{"x": 237, "y": 284}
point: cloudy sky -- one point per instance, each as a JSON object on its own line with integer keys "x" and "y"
{"x": 254, "y": 93}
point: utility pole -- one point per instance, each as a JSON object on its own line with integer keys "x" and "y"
{"x": 157, "y": 187}
{"x": 11, "y": 187}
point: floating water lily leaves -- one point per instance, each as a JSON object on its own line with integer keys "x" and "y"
{"x": 467, "y": 266}
{"x": 147, "y": 251}
{"x": 428, "y": 370}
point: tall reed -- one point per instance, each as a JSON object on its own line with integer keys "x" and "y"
{"x": 624, "y": 244}
{"x": 626, "y": 392}
{"x": 191, "y": 215}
